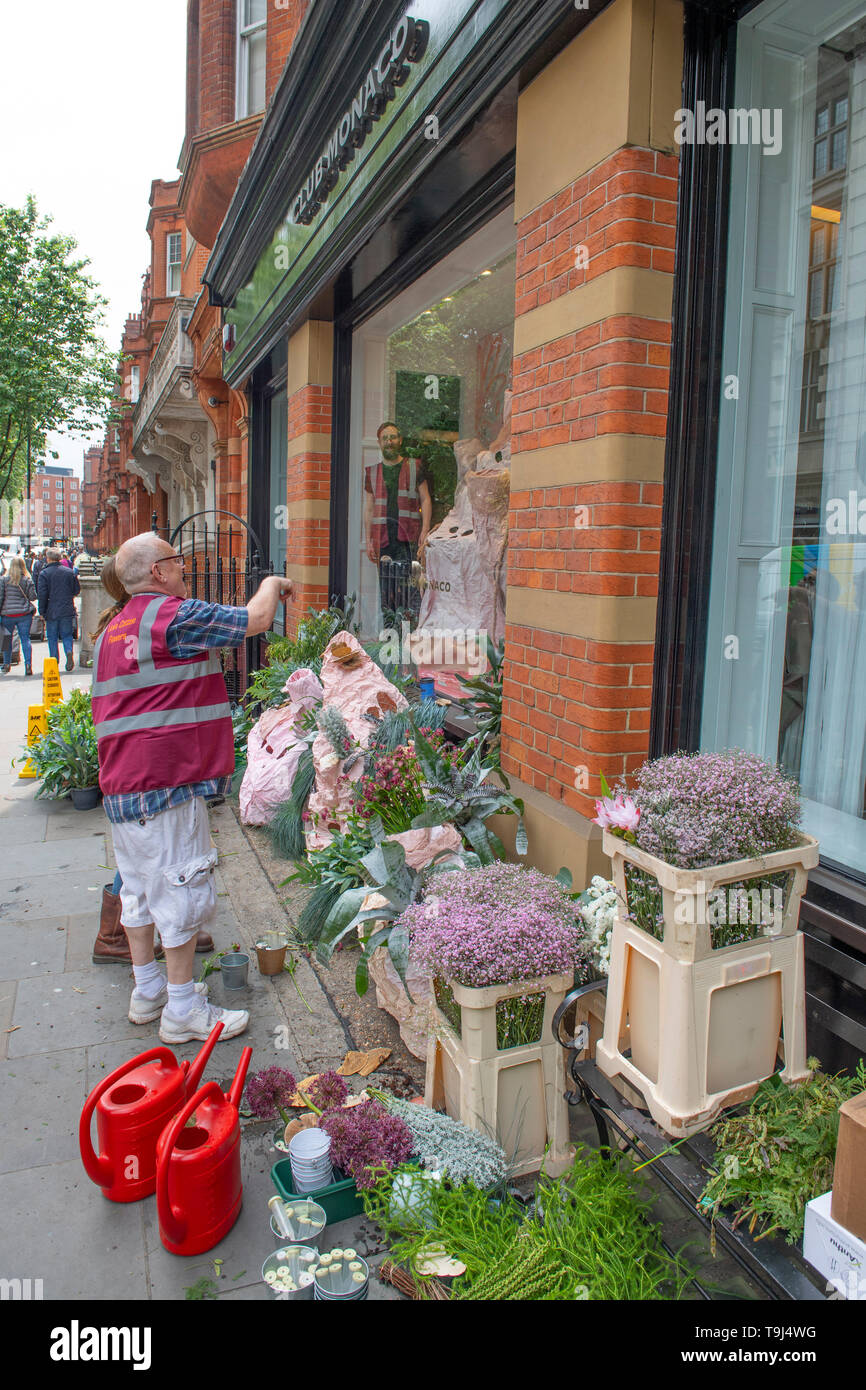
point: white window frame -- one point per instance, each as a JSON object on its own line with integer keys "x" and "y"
{"x": 172, "y": 262}
{"x": 134, "y": 383}
{"x": 242, "y": 47}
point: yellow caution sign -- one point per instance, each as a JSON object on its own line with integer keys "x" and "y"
{"x": 37, "y": 727}
{"x": 52, "y": 690}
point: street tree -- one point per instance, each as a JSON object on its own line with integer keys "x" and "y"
{"x": 56, "y": 371}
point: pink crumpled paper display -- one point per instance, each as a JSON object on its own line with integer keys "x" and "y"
{"x": 356, "y": 693}
{"x": 274, "y": 747}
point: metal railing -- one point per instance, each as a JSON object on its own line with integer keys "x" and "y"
{"x": 223, "y": 565}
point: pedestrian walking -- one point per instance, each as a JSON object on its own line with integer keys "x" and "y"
{"x": 166, "y": 743}
{"x": 57, "y": 588}
{"x": 17, "y": 599}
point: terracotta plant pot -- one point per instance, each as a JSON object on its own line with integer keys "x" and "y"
{"x": 271, "y": 959}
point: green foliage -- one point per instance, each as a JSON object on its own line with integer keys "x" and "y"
{"x": 66, "y": 756}
{"x": 288, "y": 654}
{"x": 397, "y": 726}
{"x": 203, "y": 1288}
{"x": 587, "y": 1236}
{"x": 56, "y": 372}
{"x": 462, "y": 796}
{"x": 484, "y": 704}
{"x": 385, "y": 872}
{"x": 332, "y": 871}
{"x": 777, "y": 1156}
{"x": 241, "y": 725}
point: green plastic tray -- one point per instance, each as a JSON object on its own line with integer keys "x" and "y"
{"x": 341, "y": 1199}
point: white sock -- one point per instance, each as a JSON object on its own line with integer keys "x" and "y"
{"x": 181, "y": 999}
{"x": 149, "y": 979}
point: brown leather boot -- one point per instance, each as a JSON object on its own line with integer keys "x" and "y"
{"x": 111, "y": 946}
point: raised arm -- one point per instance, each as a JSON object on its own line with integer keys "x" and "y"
{"x": 262, "y": 607}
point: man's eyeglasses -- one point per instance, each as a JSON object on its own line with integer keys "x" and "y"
{"x": 163, "y": 558}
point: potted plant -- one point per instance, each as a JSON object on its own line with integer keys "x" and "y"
{"x": 503, "y": 944}
{"x": 65, "y": 759}
{"x": 706, "y": 963}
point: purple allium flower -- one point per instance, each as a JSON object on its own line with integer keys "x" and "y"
{"x": 496, "y": 925}
{"x": 268, "y": 1092}
{"x": 710, "y": 808}
{"x": 328, "y": 1091}
{"x": 365, "y": 1137}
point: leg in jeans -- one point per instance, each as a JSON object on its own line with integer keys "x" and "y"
{"x": 51, "y": 634}
{"x": 65, "y": 626}
{"x": 23, "y": 626}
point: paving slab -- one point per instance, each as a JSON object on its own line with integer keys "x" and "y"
{"x": 32, "y": 948}
{"x": 84, "y": 1007}
{"x": 56, "y": 857}
{"x": 81, "y": 930}
{"x": 8, "y": 991}
{"x": 42, "y": 1098}
{"x": 58, "y": 1227}
{"x": 50, "y": 894}
{"x": 74, "y": 825}
{"x": 21, "y": 830}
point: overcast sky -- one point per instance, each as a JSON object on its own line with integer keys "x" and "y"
{"x": 91, "y": 110}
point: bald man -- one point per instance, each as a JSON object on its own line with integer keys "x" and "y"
{"x": 164, "y": 730}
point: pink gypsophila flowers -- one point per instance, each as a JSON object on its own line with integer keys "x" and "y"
{"x": 495, "y": 926}
{"x": 711, "y": 808}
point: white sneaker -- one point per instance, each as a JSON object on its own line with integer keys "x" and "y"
{"x": 199, "y": 1023}
{"x": 143, "y": 1009}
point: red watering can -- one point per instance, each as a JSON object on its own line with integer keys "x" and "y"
{"x": 133, "y": 1105}
{"x": 198, "y": 1168}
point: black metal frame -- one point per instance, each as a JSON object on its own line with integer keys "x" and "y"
{"x": 684, "y": 1170}
{"x": 695, "y": 387}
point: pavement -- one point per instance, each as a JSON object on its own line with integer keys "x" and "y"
{"x": 63, "y": 1025}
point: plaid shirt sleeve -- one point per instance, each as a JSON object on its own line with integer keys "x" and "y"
{"x": 198, "y": 625}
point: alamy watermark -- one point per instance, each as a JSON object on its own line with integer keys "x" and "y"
{"x": 739, "y": 126}
{"x": 462, "y": 648}
{"x": 21, "y": 1290}
{"x": 731, "y": 906}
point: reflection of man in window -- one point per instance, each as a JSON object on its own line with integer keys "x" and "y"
{"x": 396, "y": 490}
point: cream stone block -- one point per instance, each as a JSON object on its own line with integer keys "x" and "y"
{"x": 624, "y": 290}
{"x": 609, "y": 458}
{"x": 601, "y": 617}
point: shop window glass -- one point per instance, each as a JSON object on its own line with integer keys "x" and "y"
{"x": 786, "y": 653}
{"x": 430, "y": 458}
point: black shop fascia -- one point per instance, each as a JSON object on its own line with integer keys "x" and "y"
{"x": 405, "y": 45}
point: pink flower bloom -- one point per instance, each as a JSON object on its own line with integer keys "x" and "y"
{"x": 623, "y": 814}
{"x": 603, "y": 809}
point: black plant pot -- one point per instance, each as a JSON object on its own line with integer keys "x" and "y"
{"x": 85, "y": 798}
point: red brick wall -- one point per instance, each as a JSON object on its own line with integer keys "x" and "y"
{"x": 574, "y": 707}
{"x": 283, "y": 25}
{"x": 308, "y": 479}
{"x": 216, "y": 73}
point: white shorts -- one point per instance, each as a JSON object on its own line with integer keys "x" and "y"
{"x": 167, "y": 866}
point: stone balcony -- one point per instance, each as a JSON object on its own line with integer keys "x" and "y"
{"x": 168, "y": 384}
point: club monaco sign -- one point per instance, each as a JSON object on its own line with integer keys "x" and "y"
{"x": 406, "y": 44}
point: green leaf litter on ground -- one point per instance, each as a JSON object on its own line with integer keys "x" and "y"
{"x": 779, "y": 1154}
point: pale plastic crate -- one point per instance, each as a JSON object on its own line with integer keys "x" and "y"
{"x": 704, "y": 1026}
{"x": 518, "y": 1094}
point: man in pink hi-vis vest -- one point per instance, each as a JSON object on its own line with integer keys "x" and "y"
{"x": 164, "y": 730}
